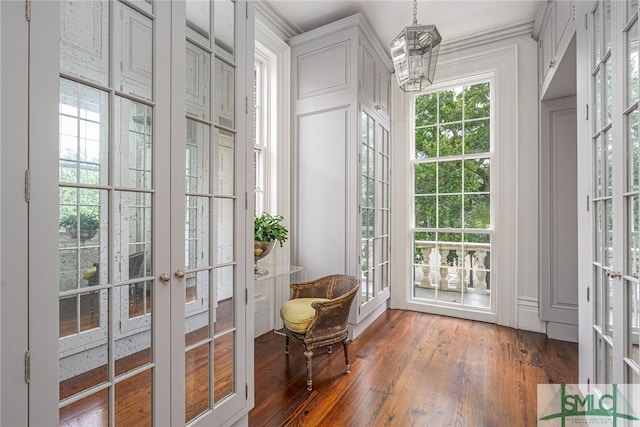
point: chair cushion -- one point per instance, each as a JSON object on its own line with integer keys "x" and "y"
{"x": 297, "y": 313}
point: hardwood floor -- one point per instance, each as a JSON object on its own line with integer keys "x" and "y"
{"x": 412, "y": 369}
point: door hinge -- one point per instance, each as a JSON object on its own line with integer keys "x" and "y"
{"x": 27, "y": 367}
{"x": 246, "y": 105}
{"x": 588, "y": 293}
{"x": 587, "y": 203}
{"x": 27, "y": 185}
{"x": 246, "y": 9}
{"x": 27, "y": 11}
{"x": 587, "y": 118}
{"x": 246, "y": 296}
{"x": 586, "y": 20}
{"x": 246, "y": 390}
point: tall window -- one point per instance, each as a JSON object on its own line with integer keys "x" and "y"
{"x": 260, "y": 148}
{"x": 452, "y": 229}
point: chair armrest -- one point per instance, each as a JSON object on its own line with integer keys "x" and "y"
{"x": 331, "y": 316}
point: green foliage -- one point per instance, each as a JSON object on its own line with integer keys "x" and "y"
{"x": 89, "y": 220}
{"x": 449, "y": 192}
{"x": 267, "y": 227}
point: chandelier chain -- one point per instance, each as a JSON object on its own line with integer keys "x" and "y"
{"x": 415, "y": 12}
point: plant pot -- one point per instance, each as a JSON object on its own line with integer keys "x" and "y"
{"x": 84, "y": 234}
{"x": 261, "y": 250}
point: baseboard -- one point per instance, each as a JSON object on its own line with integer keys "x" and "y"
{"x": 562, "y": 331}
{"x": 528, "y": 317}
{"x": 357, "y": 329}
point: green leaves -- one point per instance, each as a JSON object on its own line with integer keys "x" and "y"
{"x": 267, "y": 227}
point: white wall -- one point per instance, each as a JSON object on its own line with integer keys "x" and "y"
{"x": 524, "y": 306}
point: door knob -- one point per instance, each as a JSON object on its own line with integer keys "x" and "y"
{"x": 164, "y": 277}
{"x": 179, "y": 274}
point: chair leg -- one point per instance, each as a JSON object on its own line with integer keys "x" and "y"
{"x": 286, "y": 344}
{"x": 309, "y": 354}
{"x": 329, "y": 349}
{"x": 345, "y": 345}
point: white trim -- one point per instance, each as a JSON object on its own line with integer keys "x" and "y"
{"x": 272, "y": 18}
{"x": 482, "y": 38}
{"x": 562, "y": 331}
{"x": 528, "y": 317}
{"x": 13, "y": 163}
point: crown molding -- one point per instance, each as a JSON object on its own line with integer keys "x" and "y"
{"x": 478, "y": 39}
{"x": 275, "y": 21}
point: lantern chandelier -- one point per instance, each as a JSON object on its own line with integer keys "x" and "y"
{"x": 414, "y": 53}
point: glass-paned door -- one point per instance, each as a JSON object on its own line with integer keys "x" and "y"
{"x": 374, "y": 210}
{"x": 106, "y": 252}
{"x": 615, "y": 195}
{"x": 452, "y": 226}
{"x": 150, "y": 242}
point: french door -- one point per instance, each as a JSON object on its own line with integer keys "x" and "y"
{"x": 140, "y": 153}
{"x": 610, "y": 307}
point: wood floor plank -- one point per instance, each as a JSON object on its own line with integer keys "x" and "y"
{"x": 413, "y": 369}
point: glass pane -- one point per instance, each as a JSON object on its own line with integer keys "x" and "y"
{"x": 197, "y": 232}
{"x": 450, "y": 139}
{"x": 134, "y": 138}
{"x": 198, "y": 79}
{"x": 83, "y": 366}
{"x": 633, "y": 71}
{"x": 633, "y": 301}
{"x": 477, "y": 138}
{"x": 608, "y": 249}
{"x": 477, "y": 174}
{"x": 477, "y": 211}
{"x": 599, "y": 295}
{"x": 597, "y": 122}
{"x": 426, "y": 109}
{"x": 136, "y": 351}
{"x": 191, "y": 287}
{"x": 197, "y": 372}
{"x": 477, "y": 101}
{"x": 225, "y": 172}
{"x": 608, "y": 306}
{"x": 224, "y": 372}
{"x": 450, "y": 211}
{"x": 607, "y": 24}
{"x": 225, "y": 226}
{"x": 224, "y": 96}
{"x": 601, "y": 356}
{"x": 633, "y": 152}
{"x": 82, "y": 238}
{"x": 450, "y": 105}
{"x": 633, "y": 237}
{"x": 599, "y": 231}
{"x": 83, "y": 134}
{"x": 197, "y": 328}
{"x": 426, "y": 142}
{"x": 224, "y": 306}
{"x": 608, "y": 94}
{"x": 84, "y": 40}
{"x": 132, "y": 235}
{"x": 134, "y": 37}
{"x": 198, "y": 158}
{"x": 598, "y": 167}
{"x": 597, "y": 37}
{"x": 140, "y": 299}
{"x": 199, "y": 21}
{"x": 93, "y": 410}
{"x": 450, "y": 177}
{"x": 224, "y": 25}
{"x": 425, "y": 211}
{"x": 133, "y": 400}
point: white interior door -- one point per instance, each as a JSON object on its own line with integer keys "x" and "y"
{"x": 148, "y": 312}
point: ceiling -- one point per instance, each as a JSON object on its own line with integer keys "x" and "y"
{"x": 453, "y": 18}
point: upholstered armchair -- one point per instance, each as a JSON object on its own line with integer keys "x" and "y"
{"x": 317, "y": 315}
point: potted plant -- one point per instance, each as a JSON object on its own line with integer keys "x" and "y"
{"x": 267, "y": 230}
{"x": 88, "y": 225}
